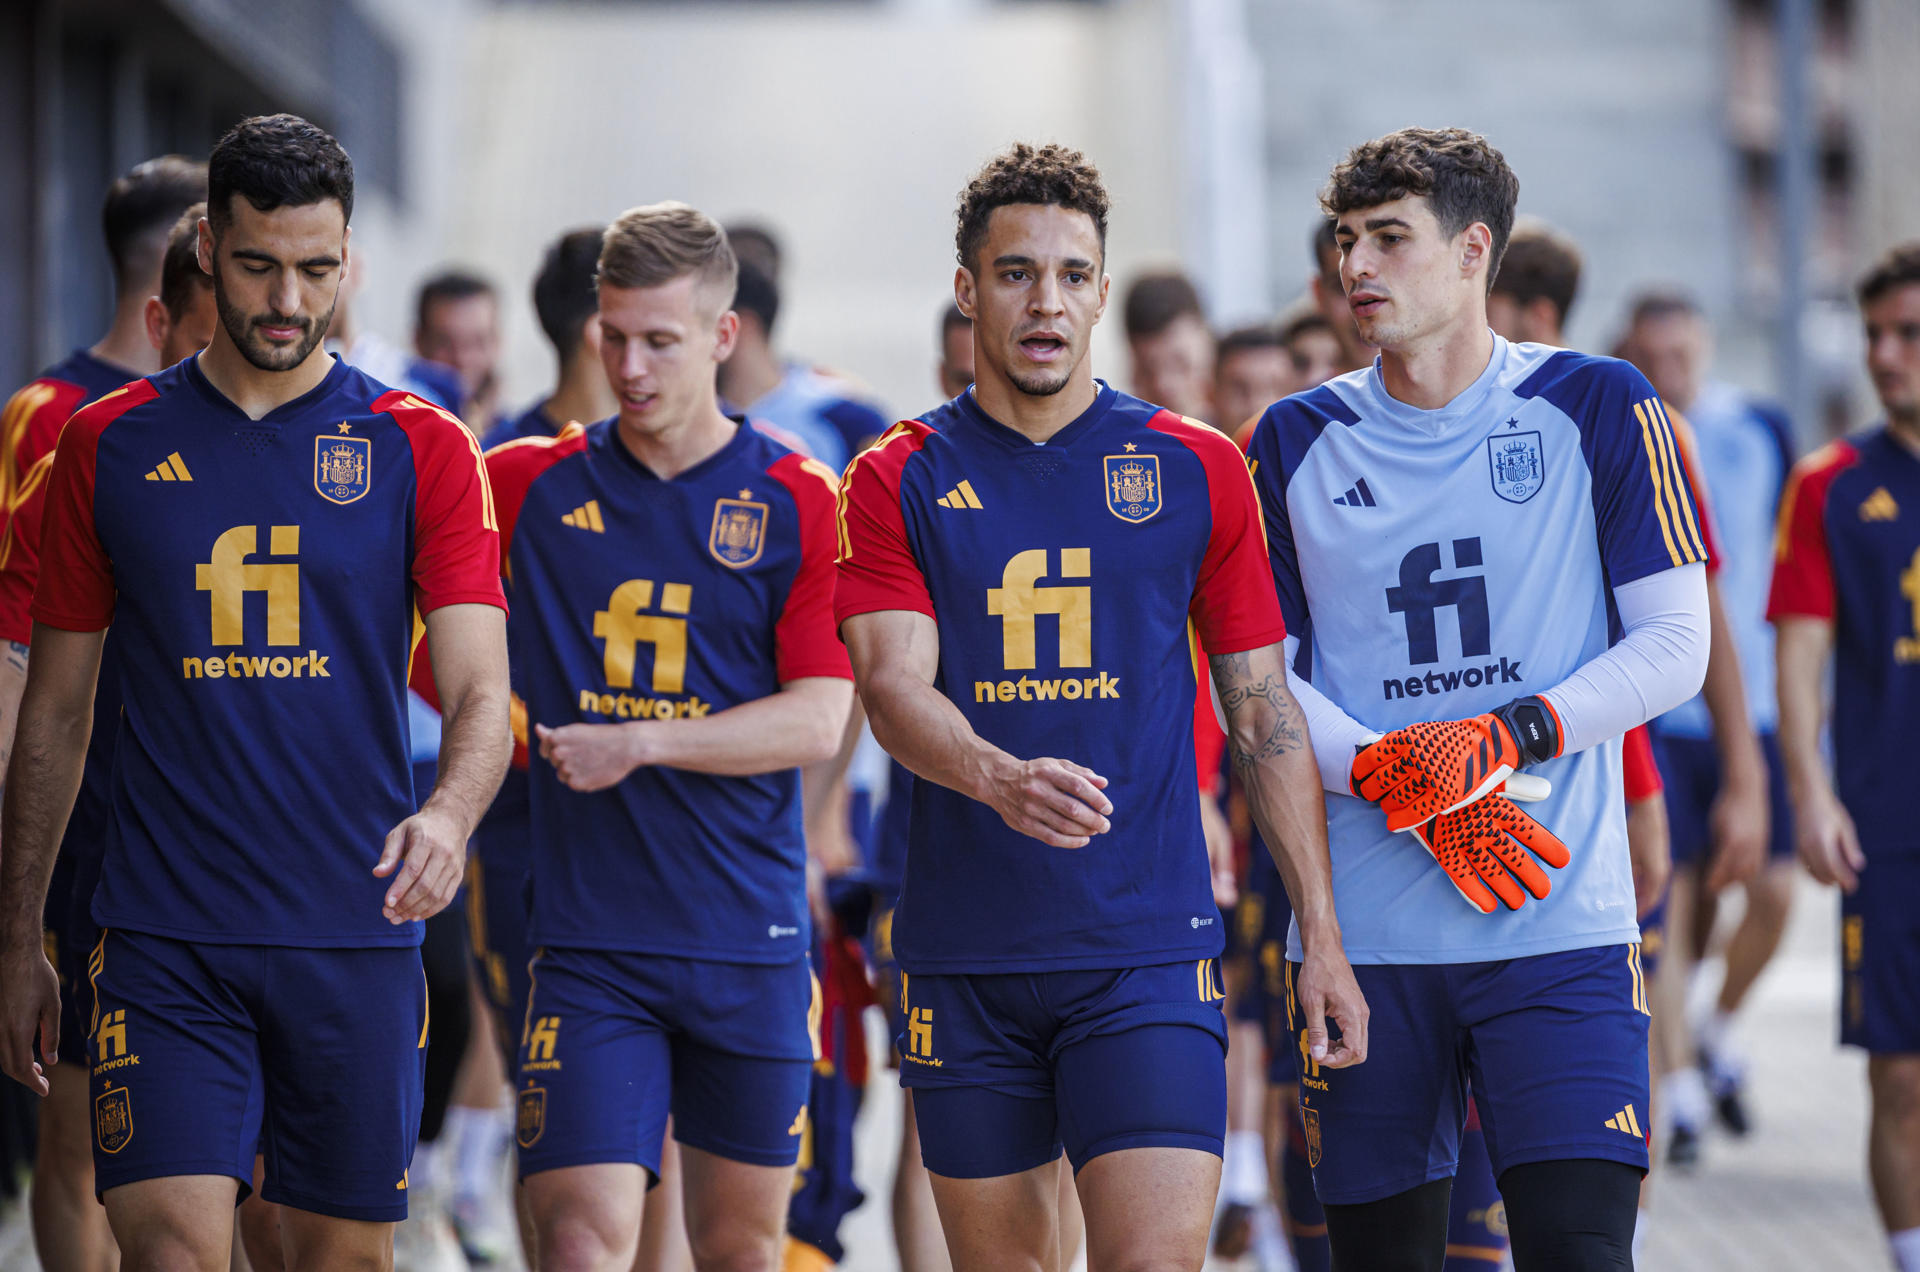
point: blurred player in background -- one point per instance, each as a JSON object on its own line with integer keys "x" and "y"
{"x": 1252, "y": 369}
{"x": 205, "y": 934}
{"x": 1315, "y": 348}
{"x": 672, "y": 713}
{"x": 140, "y": 211}
{"x": 1744, "y": 449}
{"x": 1502, "y": 484}
{"x": 1169, "y": 346}
{"x": 457, "y": 324}
{"x": 1330, "y": 297}
{"x": 565, "y": 303}
{"x": 1057, "y": 928}
{"x": 1846, "y": 596}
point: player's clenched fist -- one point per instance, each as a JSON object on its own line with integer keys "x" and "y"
{"x": 588, "y": 757}
{"x": 430, "y": 851}
{"x": 1327, "y": 990}
{"x": 29, "y": 1007}
{"x": 1057, "y": 802}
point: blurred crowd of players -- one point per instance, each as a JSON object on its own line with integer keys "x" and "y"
{"x": 1724, "y": 820}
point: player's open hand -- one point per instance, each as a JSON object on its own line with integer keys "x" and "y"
{"x": 1326, "y": 988}
{"x": 1738, "y": 827}
{"x": 29, "y": 1008}
{"x": 430, "y": 852}
{"x": 1057, "y": 802}
{"x": 589, "y": 757}
{"x": 1828, "y": 845}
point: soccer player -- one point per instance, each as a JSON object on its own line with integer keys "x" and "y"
{"x": 1330, "y": 298}
{"x": 1019, "y": 569}
{"x": 241, "y": 988}
{"x": 1316, "y": 350}
{"x": 672, "y": 574}
{"x": 565, "y": 303}
{"x": 1847, "y": 587}
{"x": 1525, "y": 555}
{"x": 457, "y": 324}
{"x": 1169, "y": 346}
{"x": 1252, "y": 369}
{"x": 1745, "y": 449}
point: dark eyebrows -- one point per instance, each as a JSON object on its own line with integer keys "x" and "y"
{"x": 267, "y": 258}
{"x": 1013, "y": 261}
{"x": 1385, "y": 222}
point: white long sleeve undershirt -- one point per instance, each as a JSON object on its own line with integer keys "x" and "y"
{"x": 1659, "y": 662}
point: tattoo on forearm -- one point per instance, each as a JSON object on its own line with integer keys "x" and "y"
{"x": 17, "y": 654}
{"x": 1273, "y": 716}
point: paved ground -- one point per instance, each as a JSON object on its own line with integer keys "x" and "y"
{"x": 1793, "y": 1196}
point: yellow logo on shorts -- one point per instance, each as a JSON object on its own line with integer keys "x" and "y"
{"x": 531, "y": 1121}
{"x": 542, "y": 1038}
{"x": 1310, "y": 1118}
{"x": 113, "y": 1119}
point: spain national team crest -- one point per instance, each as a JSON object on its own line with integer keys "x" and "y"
{"x": 1310, "y": 1118}
{"x": 739, "y": 532}
{"x": 1518, "y": 465}
{"x": 531, "y": 1119}
{"x": 342, "y": 468}
{"x": 113, "y": 1119}
{"x": 1133, "y": 486}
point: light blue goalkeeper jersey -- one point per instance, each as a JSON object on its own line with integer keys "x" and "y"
{"x": 1436, "y": 564}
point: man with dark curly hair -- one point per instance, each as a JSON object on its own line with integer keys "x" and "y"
{"x": 1491, "y": 556}
{"x": 1023, "y": 572}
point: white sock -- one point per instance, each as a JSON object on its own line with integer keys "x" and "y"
{"x": 1642, "y": 1220}
{"x": 1906, "y": 1249}
{"x": 1244, "y": 1173}
{"x": 1684, "y": 1092}
{"x": 423, "y": 1176}
{"x": 478, "y": 1138}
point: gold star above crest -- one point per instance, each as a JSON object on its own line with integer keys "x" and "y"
{"x": 746, "y": 494}
{"x": 345, "y": 429}
{"x": 1132, "y": 447}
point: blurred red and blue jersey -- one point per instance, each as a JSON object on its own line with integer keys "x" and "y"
{"x": 1069, "y": 583}
{"x": 31, "y": 421}
{"x": 637, "y": 598}
{"x": 1848, "y": 552}
{"x": 261, "y": 578}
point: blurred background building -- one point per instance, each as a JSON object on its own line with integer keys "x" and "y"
{"x": 1660, "y": 133}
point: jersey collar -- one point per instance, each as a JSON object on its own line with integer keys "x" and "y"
{"x": 994, "y": 430}
{"x": 286, "y": 411}
{"x": 1467, "y": 404}
{"x": 743, "y": 436}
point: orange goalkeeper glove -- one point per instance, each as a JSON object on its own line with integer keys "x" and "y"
{"x": 1418, "y": 772}
{"x": 1484, "y": 849}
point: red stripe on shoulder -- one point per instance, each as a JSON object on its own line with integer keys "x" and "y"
{"x": 30, "y": 425}
{"x": 456, "y": 556}
{"x": 513, "y": 467}
{"x": 805, "y": 640}
{"x": 1802, "y": 569}
{"x": 876, "y": 562}
{"x": 100, "y": 412}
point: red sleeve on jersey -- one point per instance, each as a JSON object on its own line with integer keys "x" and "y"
{"x": 805, "y": 640}
{"x": 1802, "y": 569}
{"x": 75, "y": 590}
{"x": 20, "y": 554}
{"x": 1208, "y": 741}
{"x": 1234, "y": 606}
{"x": 456, "y": 540}
{"x": 877, "y": 570}
{"x": 1642, "y": 774}
{"x": 512, "y": 468}
{"x": 30, "y": 424}
{"x": 1689, "y": 449}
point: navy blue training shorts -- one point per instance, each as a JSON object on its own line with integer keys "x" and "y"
{"x": 1880, "y": 955}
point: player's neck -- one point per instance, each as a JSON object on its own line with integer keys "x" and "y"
{"x": 1035, "y": 418}
{"x": 254, "y": 391}
{"x": 751, "y": 373}
{"x": 670, "y": 451}
{"x": 1905, "y": 430}
{"x": 126, "y": 345}
{"x": 582, "y": 395}
{"x": 1431, "y": 371}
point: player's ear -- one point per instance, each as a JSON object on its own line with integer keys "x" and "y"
{"x": 1476, "y": 249}
{"x": 346, "y": 244}
{"x": 963, "y": 289}
{"x": 1106, "y": 289}
{"x": 726, "y": 334}
{"x": 203, "y": 246}
{"x": 157, "y": 322}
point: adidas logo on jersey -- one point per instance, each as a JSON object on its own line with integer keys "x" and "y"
{"x": 960, "y": 496}
{"x": 1357, "y": 496}
{"x": 1879, "y": 506}
{"x": 173, "y": 468}
{"x": 585, "y": 517}
{"x": 1625, "y": 1121}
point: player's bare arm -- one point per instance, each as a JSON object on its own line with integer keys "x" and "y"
{"x": 795, "y": 727}
{"x": 1267, "y": 738}
{"x": 1823, "y": 832}
{"x": 1740, "y": 813}
{"x": 468, "y": 644}
{"x": 13, "y": 683}
{"x": 56, "y": 717}
{"x": 896, "y": 654}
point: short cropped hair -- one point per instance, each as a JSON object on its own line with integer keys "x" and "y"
{"x": 276, "y": 161}
{"x": 1541, "y": 263}
{"x": 757, "y": 294}
{"x": 651, "y": 246}
{"x": 1157, "y": 300}
{"x": 952, "y": 318}
{"x": 1260, "y": 335}
{"x": 563, "y": 290}
{"x": 449, "y": 284}
{"x": 1651, "y": 306}
{"x": 145, "y": 203}
{"x": 1050, "y": 175}
{"x": 1900, "y": 267}
{"x": 180, "y": 272}
{"x": 1308, "y": 323}
{"x": 754, "y": 244}
{"x": 1325, "y": 246}
{"x": 1460, "y": 175}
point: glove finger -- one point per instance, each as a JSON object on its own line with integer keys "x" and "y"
{"x": 1519, "y": 864}
{"x": 1480, "y": 852}
{"x": 1465, "y": 880}
{"x": 1380, "y": 782}
{"x": 1527, "y": 788}
{"x": 1540, "y": 841}
{"x": 1377, "y": 755}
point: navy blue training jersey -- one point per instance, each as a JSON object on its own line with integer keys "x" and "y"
{"x": 261, "y": 578}
{"x": 637, "y": 598}
{"x": 1068, "y": 582}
